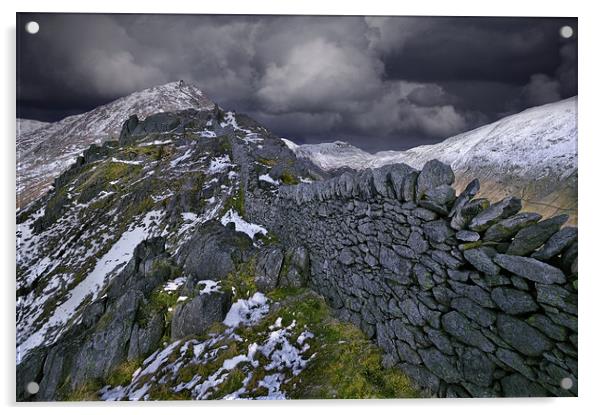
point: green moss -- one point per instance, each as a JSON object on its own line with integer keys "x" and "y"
{"x": 122, "y": 374}
{"x": 288, "y": 178}
{"x": 268, "y": 162}
{"x": 165, "y": 393}
{"x": 236, "y": 202}
{"x": 85, "y": 392}
{"x": 241, "y": 282}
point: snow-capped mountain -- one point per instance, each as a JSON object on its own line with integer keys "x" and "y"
{"x": 532, "y": 154}
{"x": 44, "y": 152}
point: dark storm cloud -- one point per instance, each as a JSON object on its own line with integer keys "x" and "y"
{"x": 379, "y": 82}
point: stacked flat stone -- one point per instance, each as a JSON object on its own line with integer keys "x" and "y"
{"x": 467, "y": 297}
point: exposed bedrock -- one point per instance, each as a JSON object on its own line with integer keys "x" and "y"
{"x": 469, "y": 297}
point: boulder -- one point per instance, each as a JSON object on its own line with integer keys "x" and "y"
{"x": 437, "y": 231}
{"x": 433, "y": 174}
{"x": 196, "y": 316}
{"x": 494, "y": 213}
{"x": 531, "y": 269}
{"x": 295, "y": 272}
{"x": 269, "y": 262}
{"x": 467, "y": 236}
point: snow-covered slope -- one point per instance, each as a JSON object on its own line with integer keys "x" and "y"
{"x": 25, "y": 126}
{"x": 533, "y": 154}
{"x": 43, "y": 153}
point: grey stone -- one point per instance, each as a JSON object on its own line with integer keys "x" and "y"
{"x": 516, "y": 385}
{"x": 424, "y": 214}
{"x": 421, "y": 375}
{"x": 481, "y": 261}
{"x": 530, "y": 268}
{"x": 197, "y": 315}
{"x": 441, "y": 195}
{"x": 433, "y": 174}
{"x": 394, "y": 263}
{"x": 546, "y": 326}
{"x": 269, "y": 262}
{"x": 496, "y": 212}
{"x": 473, "y": 311}
{"x": 297, "y": 268}
{"x": 346, "y": 257}
{"x": 477, "y": 367}
{"x": 433, "y": 206}
{"x": 459, "y": 327}
{"x": 440, "y": 365}
{"x": 408, "y": 189}
{"x": 522, "y": 336}
{"x": 532, "y": 237}
{"x": 411, "y": 311}
{"x": 437, "y": 231}
{"x": 467, "y": 236}
{"x": 417, "y": 243}
{"x": 407, "y": 353}
{"x": 513, "y": 301}
{"x": 455, "y": 275}
{"x": 467, "y": 194}
{"x": 440, "y": 340}
{"x": 464, "y": 215}
{"x": 557, "y": 296}
{"x": 424, "y": 277}
{"x": 507, "y": 228}
{"x": 515, "y": 361}
{"x": 557, "y": 243}
{"x": 475, "y": 293}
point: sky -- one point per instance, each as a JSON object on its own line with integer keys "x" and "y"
{"x": 378, "y": 82}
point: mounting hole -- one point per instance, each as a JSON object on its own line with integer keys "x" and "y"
{"x": 566, "y": 32}
{"x": 32, "y": 28}
{"x": 566, "y": 383}
{"x": 32, "y": 388}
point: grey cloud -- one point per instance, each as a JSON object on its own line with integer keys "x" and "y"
{"x": 381, "y": 82}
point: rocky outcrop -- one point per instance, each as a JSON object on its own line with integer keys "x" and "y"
{"x": 445, "y": 285}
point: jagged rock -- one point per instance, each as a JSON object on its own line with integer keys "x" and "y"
{"x": 467, "y": 236}
{"x": 296, "y": 270}
{"x": 513, "y": 301}
{"x": 267, "y": 269}
{"x": 440, "y": 340}
{"x": 433, "y": 206}
{"x": 437, "y": 231}
{"x": 440, "y": 365}
{"x": 397, "y": 177}
{"x": 507, "y": 228}
{"x": 467, "y": 194}
{"x": 210, "y": 254}
{"x": 496, "y": 212}
{"x": 481, "y": 261}
{"x": 421, "y": 376}
{"x": 196, "y": 316}
{"x": 556, "y": 244}
{"x": 465, "y": 214}
{"x": 424, "y": 214}
{"x": 532, "y": 237}
{"x": 125, "y": 137}
{"x": 459, "y": 327}
{"x": 522, "y": 336}
{"x": 433, "y": 174}
{"x": 530, "y": 268}
{"x": 145, "y": 340}
{"x": 346, "y": 257}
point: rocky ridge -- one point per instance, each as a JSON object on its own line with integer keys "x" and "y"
{"x": 147, "y": 243}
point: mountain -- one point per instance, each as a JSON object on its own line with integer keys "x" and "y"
{"x": 44, "y": 152}
{"x": 198, "y": 257}
{"x": 532, "y": 154}
{"x": 25, "y": 126}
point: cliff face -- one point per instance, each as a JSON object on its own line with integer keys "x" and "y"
{"x": 146, "y": 245}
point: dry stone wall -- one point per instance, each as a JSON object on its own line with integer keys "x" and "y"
{"x": 467, "y": 297}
